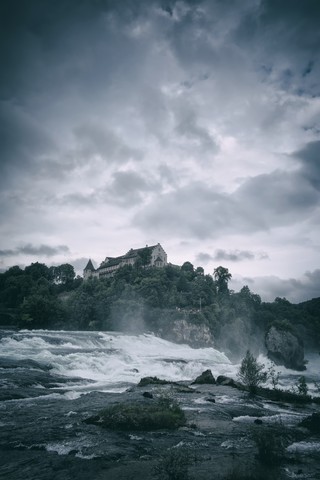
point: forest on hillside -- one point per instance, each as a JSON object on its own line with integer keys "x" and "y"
{"x": 140, "y": 299}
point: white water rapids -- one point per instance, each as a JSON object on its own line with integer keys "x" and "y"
{"x": 113, "y": 361}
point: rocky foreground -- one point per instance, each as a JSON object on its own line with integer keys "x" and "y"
{"x": 226, "y": 434}
{"x": 206, "y": 430}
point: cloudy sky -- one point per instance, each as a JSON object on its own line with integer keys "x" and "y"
{"x": 195, "y": 124}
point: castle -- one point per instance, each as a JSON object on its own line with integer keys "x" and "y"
{"x": 155, "y": 255}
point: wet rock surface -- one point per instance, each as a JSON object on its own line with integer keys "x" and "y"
{"x": 50, "y": 438}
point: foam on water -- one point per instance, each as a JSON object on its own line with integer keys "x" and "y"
{"x": 112, "y": 361}
{"x": 288, "y": 419}
{"x": 304, "y": 447}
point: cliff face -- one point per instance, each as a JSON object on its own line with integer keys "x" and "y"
{"x": 183, "y": 331}
{"x": 285, "y": 349}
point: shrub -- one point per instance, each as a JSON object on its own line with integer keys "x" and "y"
{"x": 250, "y": 372}
{"x": 270, "y": 444}
{"x": 141, "y": 416}
{"x": 174, "y": 465}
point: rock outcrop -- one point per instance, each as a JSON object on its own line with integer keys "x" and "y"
{"x": 183, "y": 331}
{"x": 205, "y": 378}
{"x": 285, "y": 349}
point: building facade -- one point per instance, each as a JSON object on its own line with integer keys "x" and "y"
{"x": 153, "y": 256}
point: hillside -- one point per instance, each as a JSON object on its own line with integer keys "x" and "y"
{"x": 162, "y": 300}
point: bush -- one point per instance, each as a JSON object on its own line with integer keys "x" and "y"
{"x": 270, "y": 444}
{"x": 250, "y": 372}
{"x": 163, "y": 414}
{"x": 174, "y": 465}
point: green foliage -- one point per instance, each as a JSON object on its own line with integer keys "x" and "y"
{"x": 174, "y": 465}
{"x": 302, "y": 386}
{"x": 144, "y": 298}
{"x": 273, "y": 375}
{"x": 251, "y": 372}
{"x": 145, "y": 256}
{"x": 64, "y": 274}
{"x": 222, "y": 276}
{"x": 271, "y": 443}
{"x": 161, "y": 414}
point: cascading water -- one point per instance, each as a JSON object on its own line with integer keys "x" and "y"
{"x": 112, "y": 361}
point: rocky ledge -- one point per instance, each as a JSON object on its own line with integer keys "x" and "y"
{"x": 216, "y": 430}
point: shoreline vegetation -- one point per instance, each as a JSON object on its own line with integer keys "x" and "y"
{"x": 181, "y": 304}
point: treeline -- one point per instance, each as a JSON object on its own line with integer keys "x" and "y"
{"x": 149, "y": 299}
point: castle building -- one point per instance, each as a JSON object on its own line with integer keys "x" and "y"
{"x": 153, "y": 256}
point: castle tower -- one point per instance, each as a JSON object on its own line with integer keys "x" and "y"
{"x": 89, "y": 270}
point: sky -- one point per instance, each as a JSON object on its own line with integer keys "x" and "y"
{"x": 195, "y": 124}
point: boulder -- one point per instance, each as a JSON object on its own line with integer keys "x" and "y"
{"x": 204, "y": 378}
{"x": 227, "y": 381}
{"x": 312, "y": 423}
{"x": 147, "y": 395}
{"x": 285, "y": 349}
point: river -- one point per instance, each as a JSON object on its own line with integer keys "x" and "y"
{"x": 52, "y": 380}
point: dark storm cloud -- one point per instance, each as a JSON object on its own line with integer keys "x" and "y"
{"x": 310, "y": 159}
{"x": 281, "y": 39}
{"x": 21, "y": 139}
{"x": 41, "y": 250}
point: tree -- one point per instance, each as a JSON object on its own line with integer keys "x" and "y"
{"x": 38, "y": 270}
{"x": 63, "y": 274}
{"x": 145, "y": 256}
{"x": 251, "y": 372}
{"x": 222, "y": 276}
{"x": 302, "y": 386}
{"x": 188, "y": 270}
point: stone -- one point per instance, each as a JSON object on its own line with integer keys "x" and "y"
{"x": 285, "y": 349}
{"x": 227, "y": 381}
{"x": 210, "y": 399}
{"x": 312, "y": 423}
{"x": 147, "y": 395}
{"x": 205, "y": 378}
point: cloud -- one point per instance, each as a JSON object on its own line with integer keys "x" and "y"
{"x": 310, "y": 161}
{"x": 127, "y": 188}
{"x": 32, "y": 250}
{"x": 95, "y": 140}
{"x": 231, "y": 256}
{"x": 22, "y": 140}
{"x": 260, "y": 203}
{"x": 294, "y": 289}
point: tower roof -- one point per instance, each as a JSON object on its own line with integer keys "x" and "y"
{"x": 90, "y": 266}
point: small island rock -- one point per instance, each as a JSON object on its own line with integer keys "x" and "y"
{"x": 285, "y": 349}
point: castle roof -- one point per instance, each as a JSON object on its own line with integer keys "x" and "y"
{"x": 132, "y": 253}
